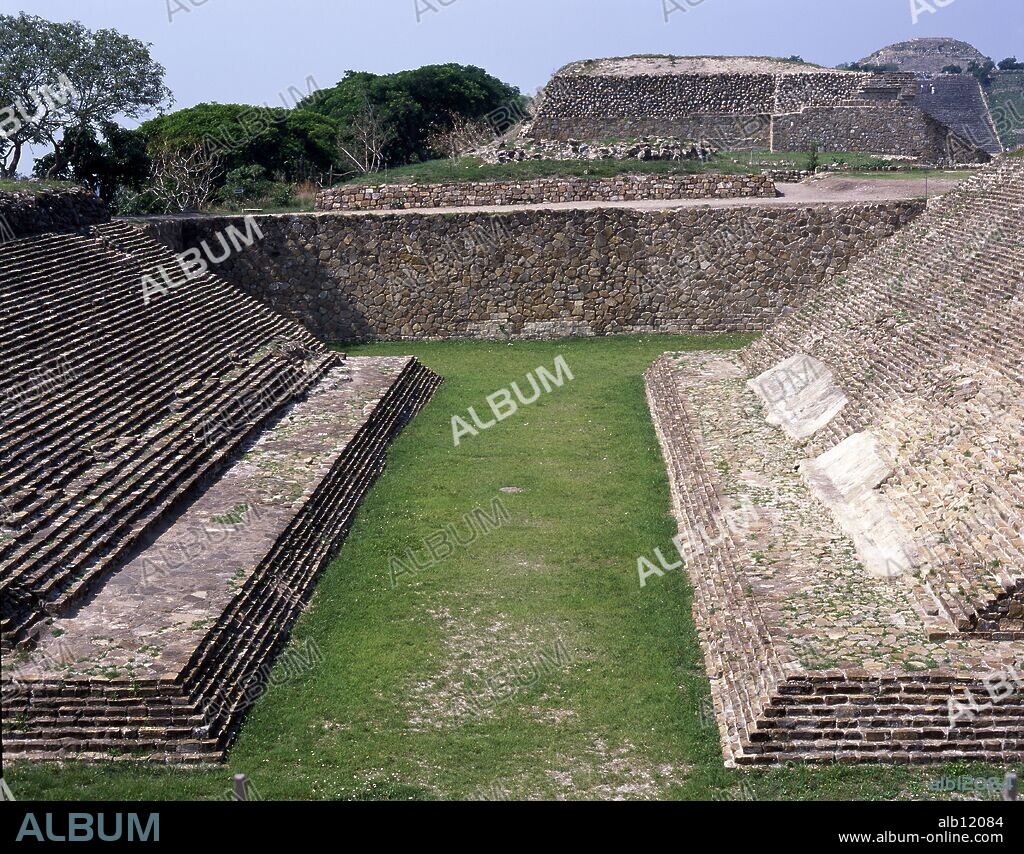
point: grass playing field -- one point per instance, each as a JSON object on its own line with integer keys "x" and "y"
{"x": 528, "y": 663}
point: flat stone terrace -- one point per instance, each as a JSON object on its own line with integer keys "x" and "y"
{"x": 810, "y": 658}
{"x": 543, "y": 191}
{"x": 162, "y": 661}
{"x": 829, "y": 190}
{"x": 629, "y": 66}
{"x": 926, "y": 338}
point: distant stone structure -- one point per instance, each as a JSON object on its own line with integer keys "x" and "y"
{"x": 745, "y": 103}
{"x": 959, "y": 102}
{"x": 926, "y": 56}
{"x": 987, "y": 112}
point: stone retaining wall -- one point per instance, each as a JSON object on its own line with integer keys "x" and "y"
{"x": 26, "y": 214}
{"x": 670, "y": 95}
{"x": 738, "y": 132}
{"x": 544, "y": 191}
{"x": 838, "y": 111}
{"x": 546, "y": 273}
{"x": 896, "y": 130}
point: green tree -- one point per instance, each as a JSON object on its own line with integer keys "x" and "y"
{"x": 813, "y": 157}
{"x": 983, "y": 71}
{"x": 108, "y": 75}
{"x": 867, "y": 66}
{"x": 119, "y": 160}
{"x": 30, "y": 51}
{"x": 278, "y": 140}
{"x": 1011, "y": 64}
{"x": 413, "y": 105}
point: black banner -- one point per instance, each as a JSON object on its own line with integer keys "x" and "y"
{"x": 183, "y": 824}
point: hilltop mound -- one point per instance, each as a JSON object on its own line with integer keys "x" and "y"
{"x": 926, "y": 56}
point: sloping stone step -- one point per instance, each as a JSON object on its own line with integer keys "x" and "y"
{"x": 810, "y": 658}
{"x": 160, "y": 663}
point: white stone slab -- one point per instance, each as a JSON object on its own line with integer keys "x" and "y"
{"x": 800, "y": 395}
{"x": 847, "y": 479}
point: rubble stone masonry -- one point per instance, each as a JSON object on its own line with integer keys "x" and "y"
{"x": 622, "y": 188}
{"x": 25, "y": 214}
{"x": 777, "y": 108}
{"x": 546, "y": 273}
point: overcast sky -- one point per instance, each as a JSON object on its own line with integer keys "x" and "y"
{"x": 250, "y": 51}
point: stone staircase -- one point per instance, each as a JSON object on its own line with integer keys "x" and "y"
{"x": 809, "y": 659}
{"x": 125, "y": 422}
{"x": 959, "y": 103}
{"x": 105, "y": 446}
{"x": 56, "y": 709}
{"x": 813, "y": 653}
{"x": 926, "y": 338}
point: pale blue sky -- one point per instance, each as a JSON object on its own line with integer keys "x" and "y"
{"x": 249, "y": 51}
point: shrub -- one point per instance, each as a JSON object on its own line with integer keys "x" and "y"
{"x": 813, "y": 159}
{"x": 127, "y": 202}
{"x": 982, "y": 71}
{"x": 251, "y": 181}
{"x": 277, "y": 140}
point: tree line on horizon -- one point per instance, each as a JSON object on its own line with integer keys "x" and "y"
{"x": 215, "y": 153}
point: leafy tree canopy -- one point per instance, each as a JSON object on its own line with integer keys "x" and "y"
{"x": 276, "y": 139}
{"x": 982, "y": 71}
{"x": 119, "y": 160}
{"x": 868, "y": 66}
{"x": 101, "y": 75}
{"x": 413, "y": 104}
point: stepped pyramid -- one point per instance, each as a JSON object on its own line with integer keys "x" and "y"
{"x": 850, "y": 495}
{"x": 178, "y": 465}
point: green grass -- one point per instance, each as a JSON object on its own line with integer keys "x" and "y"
{"x": 1006, "y": 99}
{"x": 302, "y": 206}
{"x": 729, "y": 163}
{"x": 472, "y": 169}
{"x": 911, "y": 175}
{"x": 622, "y": 718}
{"x": 34, "y": 186}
